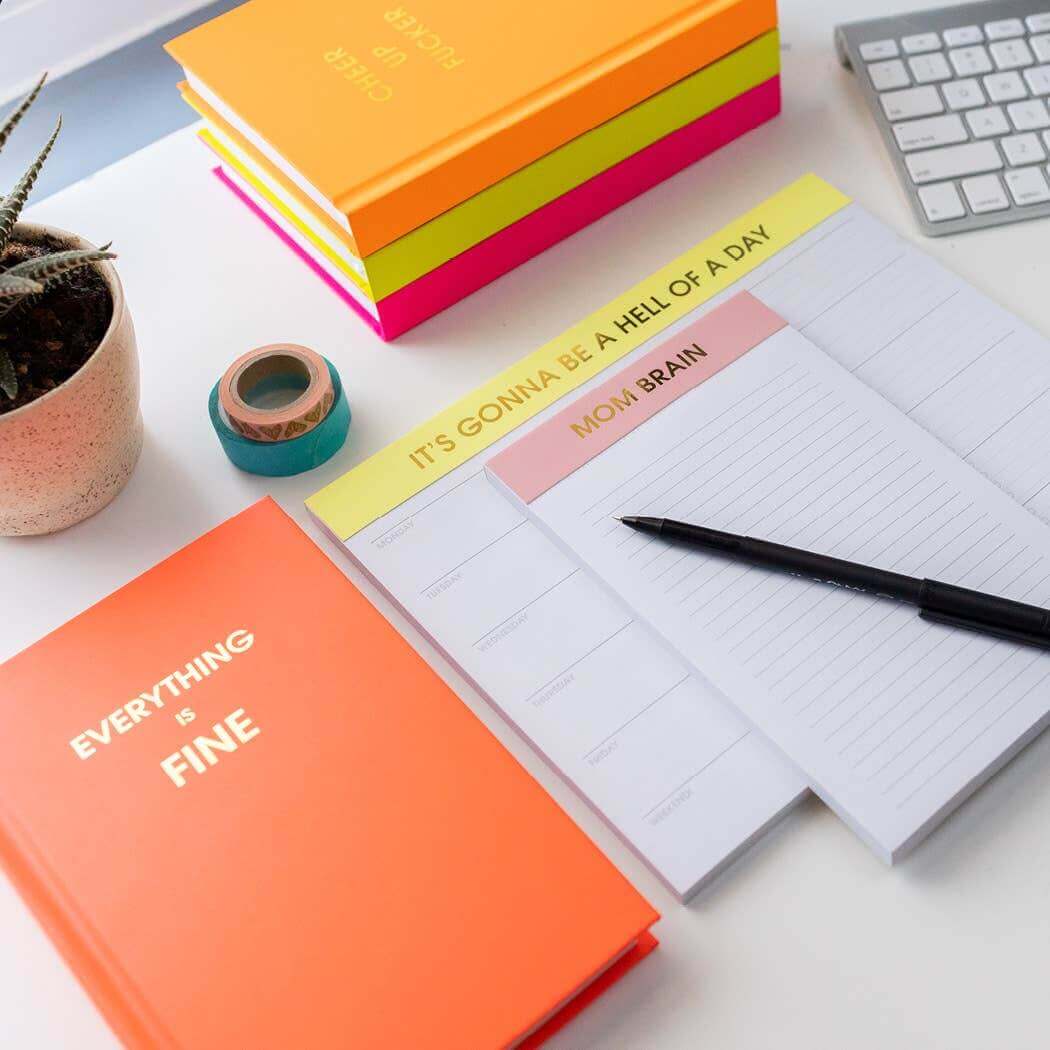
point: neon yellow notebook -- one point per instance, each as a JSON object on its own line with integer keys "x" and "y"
{"x": 505, "y": 202}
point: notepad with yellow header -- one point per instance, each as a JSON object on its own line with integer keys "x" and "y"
{"x": 386, "y": 115}
{"x": 655, "y": 749}
{"x": 249, "y": 815}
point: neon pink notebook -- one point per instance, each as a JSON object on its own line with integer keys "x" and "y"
{"x": 545, "y": 227}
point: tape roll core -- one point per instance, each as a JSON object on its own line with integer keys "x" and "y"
{"x": 276, "y": 392}
{"x": 274, "y": 382}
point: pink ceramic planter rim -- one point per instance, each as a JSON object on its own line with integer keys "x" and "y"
{"x": 116, "y": 293}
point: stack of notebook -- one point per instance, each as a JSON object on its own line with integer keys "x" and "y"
{"x": 411, "y": 155}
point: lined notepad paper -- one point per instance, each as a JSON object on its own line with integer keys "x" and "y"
{"x": 682, "y": 780}
{"x": 892, "y": 719}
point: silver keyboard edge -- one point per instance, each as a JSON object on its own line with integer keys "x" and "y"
{"x": 848, "y": 39}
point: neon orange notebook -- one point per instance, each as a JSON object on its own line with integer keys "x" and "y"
{"x": 387, "y": 115}
{"x": 250, "y": 815}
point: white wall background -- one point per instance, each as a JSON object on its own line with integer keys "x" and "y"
{"x": 61, "y": 35}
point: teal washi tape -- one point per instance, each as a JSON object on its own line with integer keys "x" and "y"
{"x": 278, "y": 459}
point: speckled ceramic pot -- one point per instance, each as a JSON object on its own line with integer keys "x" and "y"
{"x": 66, "y": 455}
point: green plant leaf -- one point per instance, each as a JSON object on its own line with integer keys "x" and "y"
{"x": 15, "y": 201}
{"x": 23, "y": 107}
{"x": 8, "y": 379}
{"x": 14, "y": 291}
{"x": 45, "y": 269}
{"x": 15, "y": 286}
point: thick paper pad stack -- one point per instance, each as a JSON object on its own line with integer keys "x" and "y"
{"x": 410, "y": 155}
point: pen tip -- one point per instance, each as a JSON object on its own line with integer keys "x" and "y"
{"x": 618, "y": 519}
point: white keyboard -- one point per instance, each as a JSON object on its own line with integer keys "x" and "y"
{"x": 960, "y": 95}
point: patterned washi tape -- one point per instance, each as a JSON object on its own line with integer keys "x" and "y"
{"x": 276, "y": 392}
{"x": 283, "y": 458}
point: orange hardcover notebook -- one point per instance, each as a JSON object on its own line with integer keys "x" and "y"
{"x": 250, "y": 815}
{"x": 387, "y": 115}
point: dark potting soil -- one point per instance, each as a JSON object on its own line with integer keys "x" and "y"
{"x": 51, "y": 336}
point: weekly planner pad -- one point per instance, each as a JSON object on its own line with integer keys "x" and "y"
{"x": 740, "y": 423}
{"x": 661, "y": 744}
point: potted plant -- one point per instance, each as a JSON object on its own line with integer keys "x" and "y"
{"x": 70, "y": 426}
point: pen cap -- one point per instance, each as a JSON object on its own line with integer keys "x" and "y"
{"x": 960, "y": 603}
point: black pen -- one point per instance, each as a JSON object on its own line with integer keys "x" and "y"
{"x": 938, "y": 602}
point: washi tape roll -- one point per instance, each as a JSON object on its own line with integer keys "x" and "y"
{"x": 283, "y": 458}
{"x": 276, "y": 392}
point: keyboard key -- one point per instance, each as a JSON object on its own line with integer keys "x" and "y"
{"x": 1030, "y": 115}
{"x": 963, "y": 94}
{"x": 875, "y": 50}
{"x": 915, "y": 102}
{"x": 951, "y": 162}
{"x": 985, "y": 193}
{"x": 941, "y": 202}
{"x": 986, "y": 122}
{"x": 1038, "y": 80}
{"x": 968, "y": 107}
{"x": 932, "y": 131}
{"x": 1028, "y": 186}
{"x": 1004, "y": 29}
{"x": 1005, "y": 87}
{"x": 1022, "y": 149}
{"x": 1011, "y": 54}
{"x": 970, "y": 61}
{"x": 888, "y": 75}
{"x": 926, "y": 69}
{"x": 916, "y": 45}
{"x": 962, "y": 36}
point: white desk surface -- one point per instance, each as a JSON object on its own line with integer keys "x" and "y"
{"x": 808, "y": 941}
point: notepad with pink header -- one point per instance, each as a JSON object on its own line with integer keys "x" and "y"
{"x": 576, "y": 435}
{"x": 740, "y": 423}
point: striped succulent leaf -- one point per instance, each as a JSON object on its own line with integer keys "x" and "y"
{"x": 15, "y": 201}
{"x": 15, "y": 286}
{"x": 11, "y": 123}
{"x": 14, "y": 291}
{"x": 45, "y": 270}
{"x": 8, "y": 379}
{"x": 25, "y": 279}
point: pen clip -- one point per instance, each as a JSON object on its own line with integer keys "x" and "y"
{"x": 981, "y": 627}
